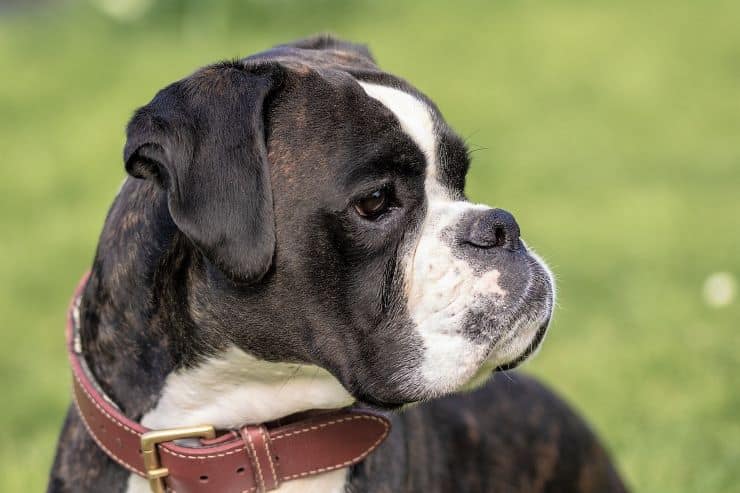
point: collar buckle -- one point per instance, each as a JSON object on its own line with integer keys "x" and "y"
{"x": 155, "y": 473}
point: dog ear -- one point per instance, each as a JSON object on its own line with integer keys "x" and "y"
{"x": 203, "y": 141}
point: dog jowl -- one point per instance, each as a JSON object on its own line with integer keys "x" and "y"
{"x": 295, "y": 235}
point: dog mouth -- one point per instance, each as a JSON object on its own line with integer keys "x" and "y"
{"x": 368, "y": 400}
{"x": 531, "y": 348}
{"x": 494, "y": 333}
{"x": 534, "y": 311}
{"x": 494, "y": 365}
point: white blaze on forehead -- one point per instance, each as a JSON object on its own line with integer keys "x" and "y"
{"x": 414, "y": 115}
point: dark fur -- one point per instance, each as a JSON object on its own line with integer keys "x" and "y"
{"x": 511, "y": 436}
{"x": 239, "y": 161}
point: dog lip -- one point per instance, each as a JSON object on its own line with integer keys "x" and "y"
{"x": 373, "y": 402}
{"x": 527, "y": 352}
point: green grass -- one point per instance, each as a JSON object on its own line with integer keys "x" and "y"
{"x": 612, "y": 131}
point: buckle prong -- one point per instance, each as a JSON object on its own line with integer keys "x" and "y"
{"x": 155, "y": 473}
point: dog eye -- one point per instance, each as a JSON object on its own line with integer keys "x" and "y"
{"x": 372, "y": 206}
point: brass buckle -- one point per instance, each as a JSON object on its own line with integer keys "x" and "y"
{"x": 155, "y": 473}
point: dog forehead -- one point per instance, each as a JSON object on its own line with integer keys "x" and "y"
{"x": 445, "y": 153}
{"x": 328, "y": 124}
{"x": 342, "y": 109}
{"x": 414, "y": 115}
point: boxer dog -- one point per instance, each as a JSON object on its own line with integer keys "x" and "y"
{"x": 294, "y": 235}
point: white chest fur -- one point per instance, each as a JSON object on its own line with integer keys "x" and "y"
{"x": 235, "y": 389}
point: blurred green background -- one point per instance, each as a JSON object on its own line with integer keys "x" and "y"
{"x": 611, "y": 130}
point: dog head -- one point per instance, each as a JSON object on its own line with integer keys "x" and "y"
{"x": 323, "y": 200}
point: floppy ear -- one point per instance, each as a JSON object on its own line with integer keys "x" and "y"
{"x": 202, "y": 139}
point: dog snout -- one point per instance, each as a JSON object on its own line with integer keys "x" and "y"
{"x": 493, "y": 228}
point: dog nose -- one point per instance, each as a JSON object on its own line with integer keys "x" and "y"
{"x": 494, "y": 228}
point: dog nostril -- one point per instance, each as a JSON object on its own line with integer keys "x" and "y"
{"x": 494, "y": 228}
{"x": 500, "y": 235}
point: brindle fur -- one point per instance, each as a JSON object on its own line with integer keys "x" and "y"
{"x": 159, "y": 300}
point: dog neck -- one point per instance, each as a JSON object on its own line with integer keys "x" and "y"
{"x": 148, "y": 353}
{"x": 235, "y": 388}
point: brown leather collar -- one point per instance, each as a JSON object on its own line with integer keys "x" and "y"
{"x": 253, "y": 459}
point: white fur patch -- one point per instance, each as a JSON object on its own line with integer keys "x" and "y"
{"x": 235, "y": 389}
{"x": 440, "y": 287}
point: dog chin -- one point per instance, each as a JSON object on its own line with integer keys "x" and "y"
{"x": 529, "y": 350}
{"x": 367, "y": 400}
{"x": 460, "y": 360}
{"x": 509, "y": 359}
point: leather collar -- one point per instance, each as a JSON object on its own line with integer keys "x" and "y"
{"x": 252, "y": 459}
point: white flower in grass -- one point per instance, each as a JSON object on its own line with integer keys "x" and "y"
{"x": 720, "y": 289}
